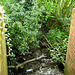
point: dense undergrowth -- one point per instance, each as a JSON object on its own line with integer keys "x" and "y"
{"x": 30, "y": 21}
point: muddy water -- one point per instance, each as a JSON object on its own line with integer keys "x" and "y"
{"x": 46, "y": 69}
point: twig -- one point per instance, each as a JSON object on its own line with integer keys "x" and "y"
{"x": 42, "y": 43}
{"x": 10, "y": 55}
{"x": 45, "y": 45}
{"x": 48, "y": 41}
{"x": 22, "y": 64}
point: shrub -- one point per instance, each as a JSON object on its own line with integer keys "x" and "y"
{"x": 22, "y": 27}
{"x": 55, "y": 20}
{"x": 59, "y": 41}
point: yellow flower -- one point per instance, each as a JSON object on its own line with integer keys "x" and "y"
{"x": 6, "y": 25}
{"x": 26, "y": 38}
{"x": 20, "y": 37}
{"x": 32, "y": 37}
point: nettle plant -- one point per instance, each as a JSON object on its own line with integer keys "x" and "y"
{"x": 22, "y": 28}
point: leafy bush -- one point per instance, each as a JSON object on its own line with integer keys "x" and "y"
{"x": 56, "y": 12}
{"x": 55, "y": 20}
{"x": 22, "y": 28}
{"x": 59, "y": 41}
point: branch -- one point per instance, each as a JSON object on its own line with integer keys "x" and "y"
{"x": 52, "y": 45}
{"x": 48, "y": 41}
{"x": 43, "y": 44}
{"x": 22, "y": 64}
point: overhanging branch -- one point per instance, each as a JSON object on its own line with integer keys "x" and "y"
{"x": 22, "y": 64}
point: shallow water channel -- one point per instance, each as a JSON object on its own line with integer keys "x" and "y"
{"x": 46, "y": 68}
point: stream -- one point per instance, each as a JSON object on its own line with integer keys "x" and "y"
{"x": 44, "y": 66}
{"x": 47, "y": 67}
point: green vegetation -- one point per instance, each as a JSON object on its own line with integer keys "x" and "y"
{"x": 55, "y": 22}
{"x": 32, "y": 20}
{"x": 22, "y": 28}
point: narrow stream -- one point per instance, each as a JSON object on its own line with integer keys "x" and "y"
{"x": 46, "y": 69}
{"x": 44, "y": 66}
